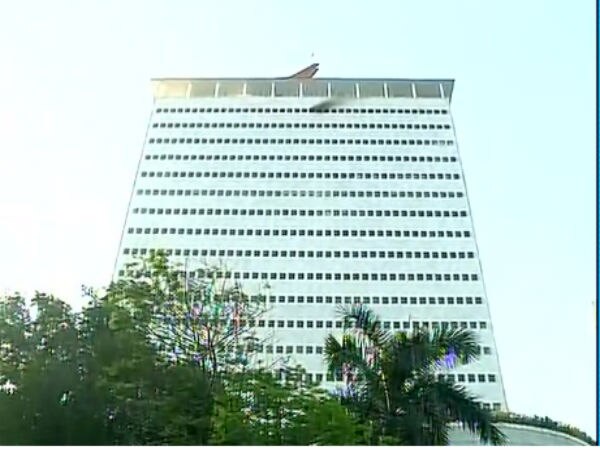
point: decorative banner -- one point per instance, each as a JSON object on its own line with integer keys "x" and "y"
{"x": 449, "y": 361}
{"x": 370, "y": 354}
{"x": 346, "y": 372}
{"x": 346, "y": 391}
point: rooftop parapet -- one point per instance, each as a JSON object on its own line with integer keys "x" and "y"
{"x": 324, "y": 88}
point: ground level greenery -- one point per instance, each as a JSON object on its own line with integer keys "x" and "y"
{"x": 160, "y": 358}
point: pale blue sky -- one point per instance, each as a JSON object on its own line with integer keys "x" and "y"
{"x": 75, "y": 99}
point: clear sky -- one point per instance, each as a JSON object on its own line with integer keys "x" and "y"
{"x": 75, "y": 99}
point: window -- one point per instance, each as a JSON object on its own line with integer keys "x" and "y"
{"x": 301, "y": 232}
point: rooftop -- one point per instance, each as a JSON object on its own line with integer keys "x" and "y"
{"x": 347, "y": 88}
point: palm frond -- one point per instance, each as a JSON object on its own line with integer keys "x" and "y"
{"x": 363, "y": 321}
{"x": 462, "y": 341}
{"x": 407, "y": 356}
{"x": 333, "y": 353}
{"x": 418, "y": 352}
{"x": 462, "y": 407}
{"x": 348, "y": 351}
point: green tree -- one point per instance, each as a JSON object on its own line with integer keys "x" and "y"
{"x": 200, "y": 317}
{"x": 390, "y": 384}
{"x": 255, "y": 408}
{"x": 15, "y": 323}
{"x": 162, "y": 343}
{"x": 203, "y": 323}
{"x": 149, "y": 399}
{"x": 93, "y": 378}
{"x": 41, "y": 357}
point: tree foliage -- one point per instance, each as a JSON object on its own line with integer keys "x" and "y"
{"x": 257, "y": 409}
{"x": 202, "y": 319}
{"x": 157, "y": 359}
{"x": 162, "y": 357}
{"x": 389, "y": 381}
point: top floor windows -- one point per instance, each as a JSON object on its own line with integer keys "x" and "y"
{"x": 306, "y": 125}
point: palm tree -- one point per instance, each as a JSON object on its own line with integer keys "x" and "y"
{"x": 390, "y": 381}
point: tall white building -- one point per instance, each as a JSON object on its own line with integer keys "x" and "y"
{"x": 332, "y": 191}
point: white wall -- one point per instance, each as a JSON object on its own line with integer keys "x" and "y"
{"x": 490, "y": 392}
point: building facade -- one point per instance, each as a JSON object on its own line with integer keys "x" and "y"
{"x": 318, "y": 193}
